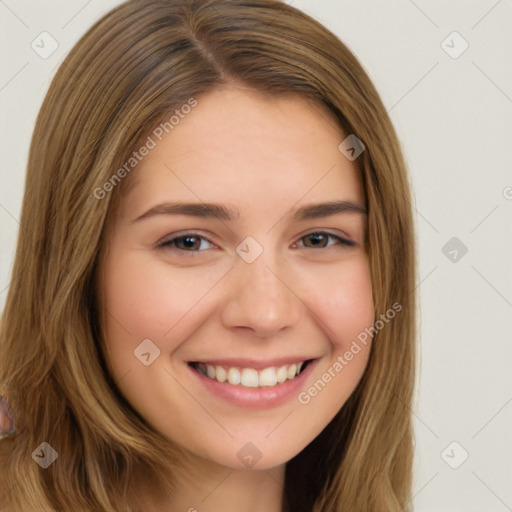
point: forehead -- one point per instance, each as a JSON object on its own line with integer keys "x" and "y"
{"x": 245, "y": 148}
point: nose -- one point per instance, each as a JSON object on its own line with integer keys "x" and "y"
{"x": 259, "y": 300}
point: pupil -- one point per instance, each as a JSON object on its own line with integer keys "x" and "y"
{"x": 189, "y": 242}
{"x": 317, "y": 239}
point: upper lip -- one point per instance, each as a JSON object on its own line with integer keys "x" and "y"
{"x": 253, "y": 363}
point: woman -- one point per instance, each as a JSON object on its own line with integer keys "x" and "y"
{"x": 212, "y": 304}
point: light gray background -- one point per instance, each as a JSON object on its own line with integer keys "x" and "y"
{"x": 454, "y": 119}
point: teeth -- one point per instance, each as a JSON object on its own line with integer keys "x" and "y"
{"x": 268, "y": 377}
{"x": 233, "y": 376}
{"x": 249, "y": 377}
{"x": 292, "y": 371}
{"x": 220, "y": 374}
{"x": 282, "y": 374}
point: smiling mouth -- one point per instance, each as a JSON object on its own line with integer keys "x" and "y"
{"x": 250, "y": 377}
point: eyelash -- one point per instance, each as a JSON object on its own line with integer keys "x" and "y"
{"x": 169, "y": 243}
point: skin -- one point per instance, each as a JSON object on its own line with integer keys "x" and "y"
{"x": 264, "y": 156}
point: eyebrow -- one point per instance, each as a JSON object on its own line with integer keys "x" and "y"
{"x": 221, "y": 212}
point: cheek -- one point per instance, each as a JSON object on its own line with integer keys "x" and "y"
{"x": 341, "y": 299}
{"x": 146, "y": 299}
{"x": 342, "y": 304}
{"x": 136, "y": 302}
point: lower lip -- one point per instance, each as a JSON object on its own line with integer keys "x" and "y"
{"x": 256, "y": 398}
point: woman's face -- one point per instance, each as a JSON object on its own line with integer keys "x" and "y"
{"x": 232, "y": 255}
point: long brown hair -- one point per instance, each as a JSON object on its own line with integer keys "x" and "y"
{"x": 133, "y": 68}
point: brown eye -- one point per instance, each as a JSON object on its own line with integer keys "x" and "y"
{"x": 187, "y": 243}
{"x": 321, "y": 240}
{"x": 315, "y": 240}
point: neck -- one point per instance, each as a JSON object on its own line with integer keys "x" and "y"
{"x": 208, "y": 487}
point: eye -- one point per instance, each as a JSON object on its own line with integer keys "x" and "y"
{"x": 322, "y": 240}
{"x": 194, "y": 242}
{"x": 188, "y": 242}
